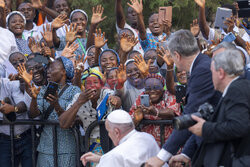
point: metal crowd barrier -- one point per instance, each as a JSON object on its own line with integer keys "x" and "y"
{"x": 106, "y": 142}
{"x": 33, "y": 123}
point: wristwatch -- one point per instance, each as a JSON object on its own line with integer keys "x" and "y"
{"x": 15, "y": 109}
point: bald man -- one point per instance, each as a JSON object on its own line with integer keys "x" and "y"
{"x": 132, "y": 147}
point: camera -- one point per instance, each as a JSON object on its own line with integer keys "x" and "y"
{"x": 185, "y": 121}
{"x": 11, "y": 117}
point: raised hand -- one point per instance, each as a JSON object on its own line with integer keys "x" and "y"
{"x": 136, "y": 5}
{"x": 100, "y": 38}
{"x": 142, "y": 65}
{"x": 127, "y": 42}
{"x": 13, "y": 77}
{"x": 2, "y": 4}
{"x": 114, "y": 101}
{"x": 27, "y": 77}
{"x": 248, "y": 47}
{"x": 37, "y": 4}
{"x": 86, "y": 96}
{"x": 59, "y": 21}
{"x": 46, "y": 51}
{"x": 138, "y": 114}
{"x": 195, "y": 28}
{"x": 47, "y": 34}
{"x": 167, "y": 26}
{"x": 69, "y": 50}
{"x": 201, "y": 3}
{"x": 97, "y": 14}
{"x": 230, "y": 24}
{"x": 71, "y": 33}
{"x": 34, "y": 46}
{"x": 79, "y": 64}
{"x": 34, "y": 91}
{"x": 165, "y": 55}
{"x": 121, "y": 74}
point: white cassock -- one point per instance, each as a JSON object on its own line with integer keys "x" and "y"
{"x": 133, "y": 150}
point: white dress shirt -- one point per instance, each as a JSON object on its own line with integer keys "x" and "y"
{"x": 133, "y": 150}
{"x": 7, "y": 44}
{"x": 11, "y": 89}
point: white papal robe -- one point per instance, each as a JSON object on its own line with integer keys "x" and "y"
{"x": 133, "y": 150}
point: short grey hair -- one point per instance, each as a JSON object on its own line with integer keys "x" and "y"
{"x": 183, "y": 42}
{"x": 125, "y": 127}
{"x": 230, "y": 61}
{"x": 225, "y": 45}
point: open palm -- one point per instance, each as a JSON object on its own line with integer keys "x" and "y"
{"x": 201, "y": 3}
{"x": 136, "y": 5}
{"x": 24, "y": 74}
{"x": 100, "y": 39}
{"x": 127, "y": 42}
{"x": 142, "y": 65}
{"x": 97, "y": 14}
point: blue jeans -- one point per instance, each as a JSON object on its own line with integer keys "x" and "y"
{"x": 22, "y": 152}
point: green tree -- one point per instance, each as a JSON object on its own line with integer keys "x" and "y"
{"x": 184, "y": 11}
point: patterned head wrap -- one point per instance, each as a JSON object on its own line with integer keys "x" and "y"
{"x": 93, "y": 72}
{"x": 14, "y": 13}
{"x": 156, "y": 76}
{"x": 69, "y": 68}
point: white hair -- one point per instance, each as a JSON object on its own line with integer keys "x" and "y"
{"x": 230, "y": 61}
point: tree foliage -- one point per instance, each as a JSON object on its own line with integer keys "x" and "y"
{"x": 184, "y": 11}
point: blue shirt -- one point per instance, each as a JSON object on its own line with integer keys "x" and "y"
{"x": 65, "y": 137}
{"x": 82, "y": 42}
{"x": 151, "y": 41}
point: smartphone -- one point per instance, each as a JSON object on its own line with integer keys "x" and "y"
{"x": 145, "y": 100}
{"x": 229, "y": 37}
{"x": 180, "y": 92}
{"x": 221, "y": 15}
{"x": 51, "y": 89}
{"x": 165, "y": 13}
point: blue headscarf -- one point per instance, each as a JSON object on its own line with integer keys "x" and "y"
{"x": 109, "y": 50}
{"x": 69, "y": 68}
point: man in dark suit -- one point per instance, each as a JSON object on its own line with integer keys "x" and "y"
{"x": 185, "y": 52}
{"x": 228, "y": 131}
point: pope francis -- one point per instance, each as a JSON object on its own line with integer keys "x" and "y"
{"x": 132, "y": 149}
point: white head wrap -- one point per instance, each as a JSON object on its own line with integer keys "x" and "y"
{"x": 78, "y": 10}
{"x": 119, "y": 117}
{"x": 13, "y": 13}
{"x": 247, "y": 61}
{"x": 129, "y": 61}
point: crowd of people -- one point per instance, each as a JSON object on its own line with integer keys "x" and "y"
{"x": 56, "y": 67}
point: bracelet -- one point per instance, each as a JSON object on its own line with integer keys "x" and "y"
{"x": 170, "y": 70}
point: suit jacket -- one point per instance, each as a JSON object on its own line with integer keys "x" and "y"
{"x": 200, "y": 89}
{"x": 229, "y": 126}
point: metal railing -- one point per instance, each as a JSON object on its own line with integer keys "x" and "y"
{"x": 106, "y": 142}
{"x": 33, "y": 123}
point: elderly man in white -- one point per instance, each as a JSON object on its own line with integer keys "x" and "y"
{"x": 132, "y": 149}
